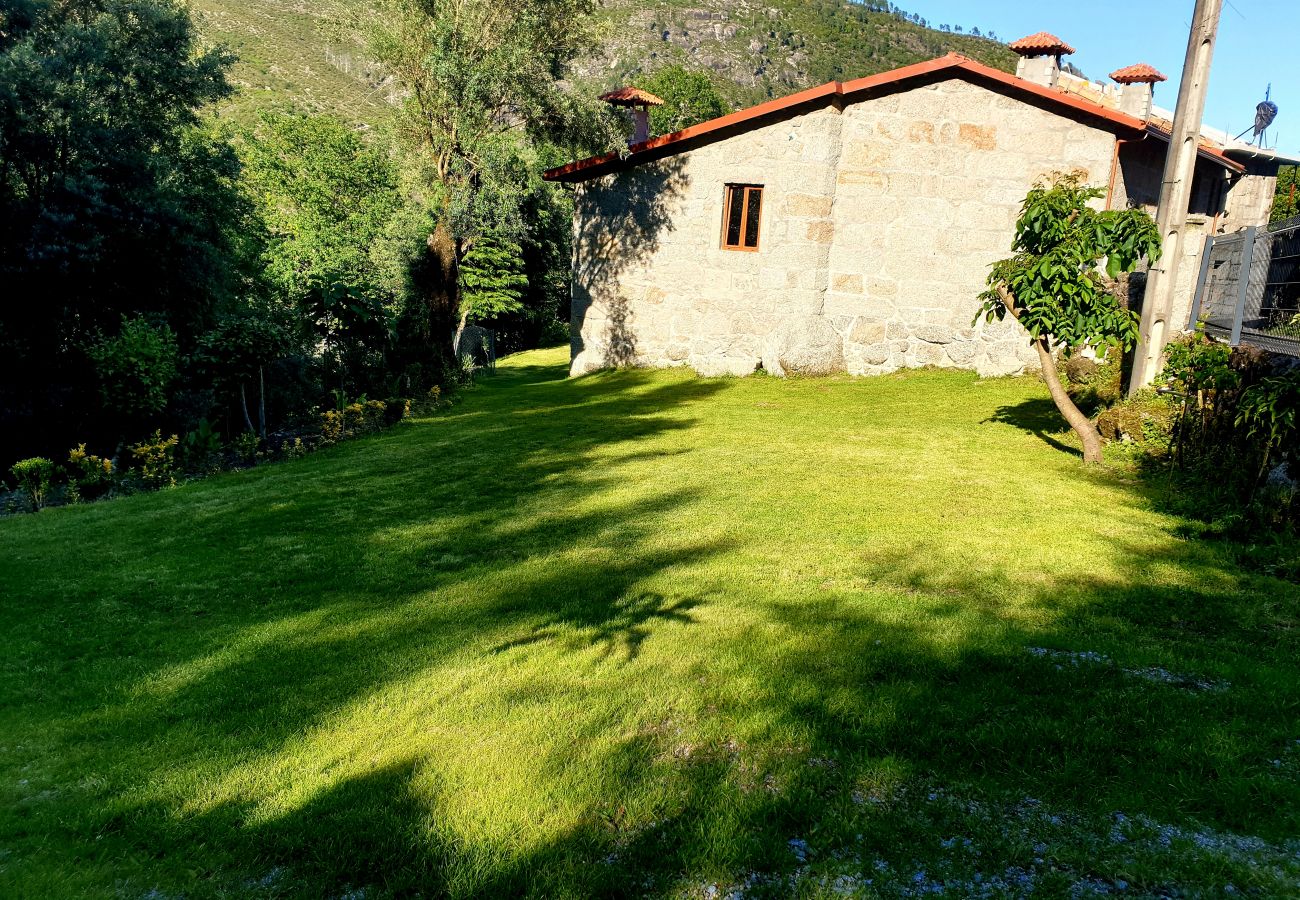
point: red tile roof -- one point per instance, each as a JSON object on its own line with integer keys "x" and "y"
{"x": 1137, "y": 74}
{"x": 631, "y": 96}
{"x": 834, "y": 92}
{"x": 1039, "y": 43}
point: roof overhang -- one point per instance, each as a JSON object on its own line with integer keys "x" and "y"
{"x": 1203, "y": 150}
{"x": 840, "y": 94}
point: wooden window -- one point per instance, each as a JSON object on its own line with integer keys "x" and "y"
{"x": 742, "y": 212}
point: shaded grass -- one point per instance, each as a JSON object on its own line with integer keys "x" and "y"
{"x": 634, "y": 633}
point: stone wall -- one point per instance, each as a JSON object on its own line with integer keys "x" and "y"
{"x": 879, "y": 225}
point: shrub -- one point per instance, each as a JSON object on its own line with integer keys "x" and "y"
{"x": 35, "y": 477}
{"x": 396, "y": 409}
{"x": 331, "y": 426}
{"x": 201, "y": 448}
{"x": 294, "y": 449}
{"x": 135, "y": 367}
{"x": 156, "y": 458}
{"x": 89, "y": 476}
{"x": 1237, "y": 434}
{"x": 245, "y": 446}
{"x": 1270, "y": 413}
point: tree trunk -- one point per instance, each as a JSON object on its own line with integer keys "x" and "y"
{"x": 243, "y": 405}
{"x": 444, "y": 294}
{"x": 1081, "y": 424}
{"x": 261, "y": 402}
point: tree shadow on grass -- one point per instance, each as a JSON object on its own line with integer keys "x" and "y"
{"x": 488, "y": 561}
{"x": 829, "y": 736}
{"x": 1039, "y": 417}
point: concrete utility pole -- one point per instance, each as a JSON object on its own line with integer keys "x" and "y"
{"x": 1176, "y": 193}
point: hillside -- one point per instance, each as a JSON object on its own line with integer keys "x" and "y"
{"x": 290, "y": 51}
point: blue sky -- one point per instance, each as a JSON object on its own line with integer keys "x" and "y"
{"x": 1259, "y": 43}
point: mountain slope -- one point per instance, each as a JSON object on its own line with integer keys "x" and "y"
{"x": 756, "y": 51}
{"x": 290, "y": 51}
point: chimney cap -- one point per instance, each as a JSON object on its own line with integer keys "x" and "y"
{"x": 631, "y": 96}
{"x": 1040, "y": 44}
{"x": 1138, "y": 74}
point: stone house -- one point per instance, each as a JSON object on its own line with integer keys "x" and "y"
{"x": 850, "y": 227}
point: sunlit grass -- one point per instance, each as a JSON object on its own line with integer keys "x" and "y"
{"x": 635, "y": 633}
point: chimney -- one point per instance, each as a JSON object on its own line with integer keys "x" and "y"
{"x": 1137, "y": 89}
{"x": 639, "y": 102}
{"x": 1040, "y": 58}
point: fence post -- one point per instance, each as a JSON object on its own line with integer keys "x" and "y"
{"x": 1243, "y": 282}
{"x": 1201, "y": 281}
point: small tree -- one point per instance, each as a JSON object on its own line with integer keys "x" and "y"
{"x": 689, "y": 98}
{"x": 492, "y": 280}
{"x": 1054, "y": 287}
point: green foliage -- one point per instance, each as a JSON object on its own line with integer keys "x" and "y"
{"x": 245, "y": 446}
{"x": 1054, "y": 280}
{"x": 114, "y": 200}
{"x": 156, "y": 459}
{"x": 89, "y": 476}
{"x": 689, "y": 98}
{"x": 1240, "y": 410}
{"x": 326, "y": 198}
{"x": 200, "y": 449}
{"x": 483, "y": 85}
{"x": 1270, "y": 412}
{"x": 135, "y": 367}
{"x": 1286, "y": 199}
{"x": 35, "y": 476}
{"x": 492, "y": 279}
{"x": 1200, "y": 365}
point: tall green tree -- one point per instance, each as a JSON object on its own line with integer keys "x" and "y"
{"x": 483, "y": 85}
{"x": 327, "y": 200}
{"x": 689, "y": 98}
{"x": 113, "y": 200}
{"x": 1055, "y": 288}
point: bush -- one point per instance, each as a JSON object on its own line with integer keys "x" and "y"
{"x": 1146, "y": 418}
{"x": 396, "y": 409}
{"x": 1236, "y": 443}
{"x": 135, "y": 367}
{"x": 156, "y": 458}
{"x": 331, "y": 426}
{"x": 245, "y": 447}
{"x": 89, "y": 476}
{"x": 201, "y": 449}
{"x": 35, "y": 477}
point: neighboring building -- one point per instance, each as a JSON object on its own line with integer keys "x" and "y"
{"x": 851, "y": 227}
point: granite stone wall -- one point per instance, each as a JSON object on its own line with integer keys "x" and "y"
{"x": 879, "y": 224}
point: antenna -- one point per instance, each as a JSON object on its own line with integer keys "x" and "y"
{"x": 1265, "y": 113}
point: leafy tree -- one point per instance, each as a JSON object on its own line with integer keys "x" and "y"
{"x": 113, "y": 200}
{"x": 689, "y": 98}
{"x": 135, "y": 367}
{"x": 492, "y": 279}
{"x": 483, "y": 86}
{"x": 1286, "y": 199}
{"x": 237, "y": 351}
{"x": 1054, "y": 288}
{"x": 327, "y": 200}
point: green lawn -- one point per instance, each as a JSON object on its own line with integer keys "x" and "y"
{"x": 643, "y": 633}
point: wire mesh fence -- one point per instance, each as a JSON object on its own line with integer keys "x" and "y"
{"x": 1248, "y": 291}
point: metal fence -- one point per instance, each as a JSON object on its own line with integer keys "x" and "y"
{"x": 1248, "y": 290}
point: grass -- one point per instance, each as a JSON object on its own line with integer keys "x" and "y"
{"x": 644, "y": 633}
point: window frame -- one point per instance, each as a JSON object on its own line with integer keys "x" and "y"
{"x": 744, "y": 232}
